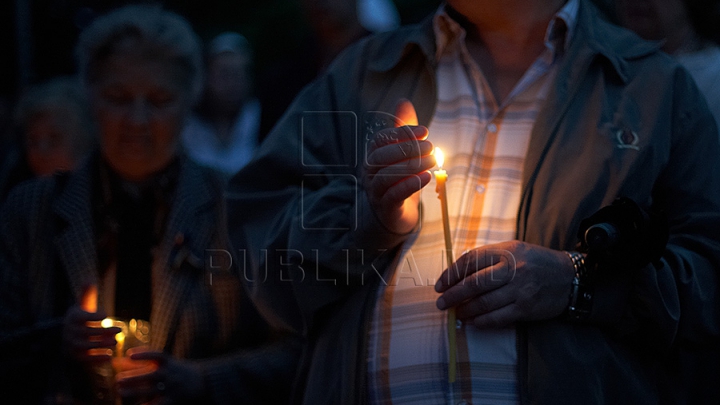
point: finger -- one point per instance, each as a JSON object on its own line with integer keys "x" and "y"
{"x": 475, "y": 284}
{"x": 469, "y": 263}
{"x": 398, "y": 152}
{"x": 90, "y": 334}
{"x": 144, "y": 353}
{"x": 386, "y": 177}
{"x": 405, "y": 113}
{"x": 77, "y": 315}
{"x": 78, "y": 334}
{"x": 394, "y": 190}
{"x": 95, "y": 356}
{"x": 499, "y": 318}
{"x": 485, "y": 303}
{"x": 390, "y": 136}
{"x": 101, "y": 331}
{"x": 138, "y": 373}
{"x": 82, "y": 346}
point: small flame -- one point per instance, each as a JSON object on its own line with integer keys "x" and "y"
{"x": 89, "y": 299}
{"x": 107, "y": 323}
{"x": 439, "y": 157}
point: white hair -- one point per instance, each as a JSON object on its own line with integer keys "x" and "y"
{"x": 167, "y": 33}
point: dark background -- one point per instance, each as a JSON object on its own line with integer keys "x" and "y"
{"x": 37, "y": 36}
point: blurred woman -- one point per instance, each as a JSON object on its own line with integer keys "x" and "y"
{"x": 688, "y": 31}
{"x": 54, "y": 119}
{"x": 55, "y": 131}
{"x": 222, "y": 133}
{"x": 146, "y": 227}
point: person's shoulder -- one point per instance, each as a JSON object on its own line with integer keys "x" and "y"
{"x": 613, "y": 41}
{"x": 382, "y": 50}
{"x": 33, "y": 196}
{"x": 635, "y": 59}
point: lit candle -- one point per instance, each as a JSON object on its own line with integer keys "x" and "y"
{"x": 119, "y": 337}
{"x": 88, "y": 301}
{"x": 440, "y": 179}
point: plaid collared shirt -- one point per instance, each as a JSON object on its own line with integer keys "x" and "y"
{"x": 485, "y": 143}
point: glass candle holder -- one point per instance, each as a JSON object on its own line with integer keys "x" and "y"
{"x": 134, "y": 334}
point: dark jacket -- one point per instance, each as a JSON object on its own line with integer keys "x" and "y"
{"x": 317, "y": 255}
{"x": 200, "y": 311}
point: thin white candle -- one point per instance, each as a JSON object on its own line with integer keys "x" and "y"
{"x": 440, "y": 180}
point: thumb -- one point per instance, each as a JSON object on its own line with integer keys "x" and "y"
{"x": 405, "y": 113}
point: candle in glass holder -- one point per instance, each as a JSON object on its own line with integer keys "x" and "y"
{"x": 440, "y": 180}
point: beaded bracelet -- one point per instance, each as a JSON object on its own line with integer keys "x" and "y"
{"x": 581, "y": 294}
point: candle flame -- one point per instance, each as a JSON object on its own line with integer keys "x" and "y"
{"x": 439, "y": 157}
{"x": 106, "y": 323}
{"x": 88, "y": 301}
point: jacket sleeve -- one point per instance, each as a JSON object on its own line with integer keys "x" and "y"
{"x": 676, "y": 299}
{"x": 29, "y": 348}
{"x": 297, "y": 206}
{"x": 262, "y": 374}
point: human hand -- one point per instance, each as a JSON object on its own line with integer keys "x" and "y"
{"x": 83, "y": 338}
{"x": 157, "y": 378}
{"x": 397, "y": 167}
{"x": 496, "y": 285}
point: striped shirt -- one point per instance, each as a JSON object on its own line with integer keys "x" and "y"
{"x": 485, "y": 143}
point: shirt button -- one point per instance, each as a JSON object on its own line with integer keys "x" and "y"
{"x": 480, "y": 188}
{"x": 492, "y": 128}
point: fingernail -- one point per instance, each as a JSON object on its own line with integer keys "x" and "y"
{"x": 441, "y": 303}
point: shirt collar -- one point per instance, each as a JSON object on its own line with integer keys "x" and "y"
{"x": 449, "y": 33}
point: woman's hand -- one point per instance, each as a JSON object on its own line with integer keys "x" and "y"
{"x": 158, "y": 378}
{"x": 83, "y": 338}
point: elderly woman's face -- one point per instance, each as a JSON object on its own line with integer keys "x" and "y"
{"x": 140, "y": 104}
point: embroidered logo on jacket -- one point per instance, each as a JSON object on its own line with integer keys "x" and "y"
{"x": 627, "y": 139}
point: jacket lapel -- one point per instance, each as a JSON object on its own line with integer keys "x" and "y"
{"x": 190, "y": 229}
{"x": 75, "y": 243}
{"x": 594, "y": 39}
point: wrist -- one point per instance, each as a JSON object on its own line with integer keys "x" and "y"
{"x": 375, "y": 222}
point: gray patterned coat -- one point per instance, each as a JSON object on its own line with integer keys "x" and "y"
{"x": 48, "y": 253}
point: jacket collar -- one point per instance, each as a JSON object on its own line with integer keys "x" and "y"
{"x": 396, "y": 45}
{"x": 192, "y": 223}
{"x": 614, "y": 43}
{"x": 75, "y": 243}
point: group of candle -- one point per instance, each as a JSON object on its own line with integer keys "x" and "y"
{"x": 133, "y": 332}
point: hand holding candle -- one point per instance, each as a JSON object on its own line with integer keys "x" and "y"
{"x": 87, "y": 344}
{"x": 440, "y": 180}
{"x": 397, "y": 167}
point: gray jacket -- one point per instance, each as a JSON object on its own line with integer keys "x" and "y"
{"x": 315, "y": 257}
{"x": 199, "y": 312}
